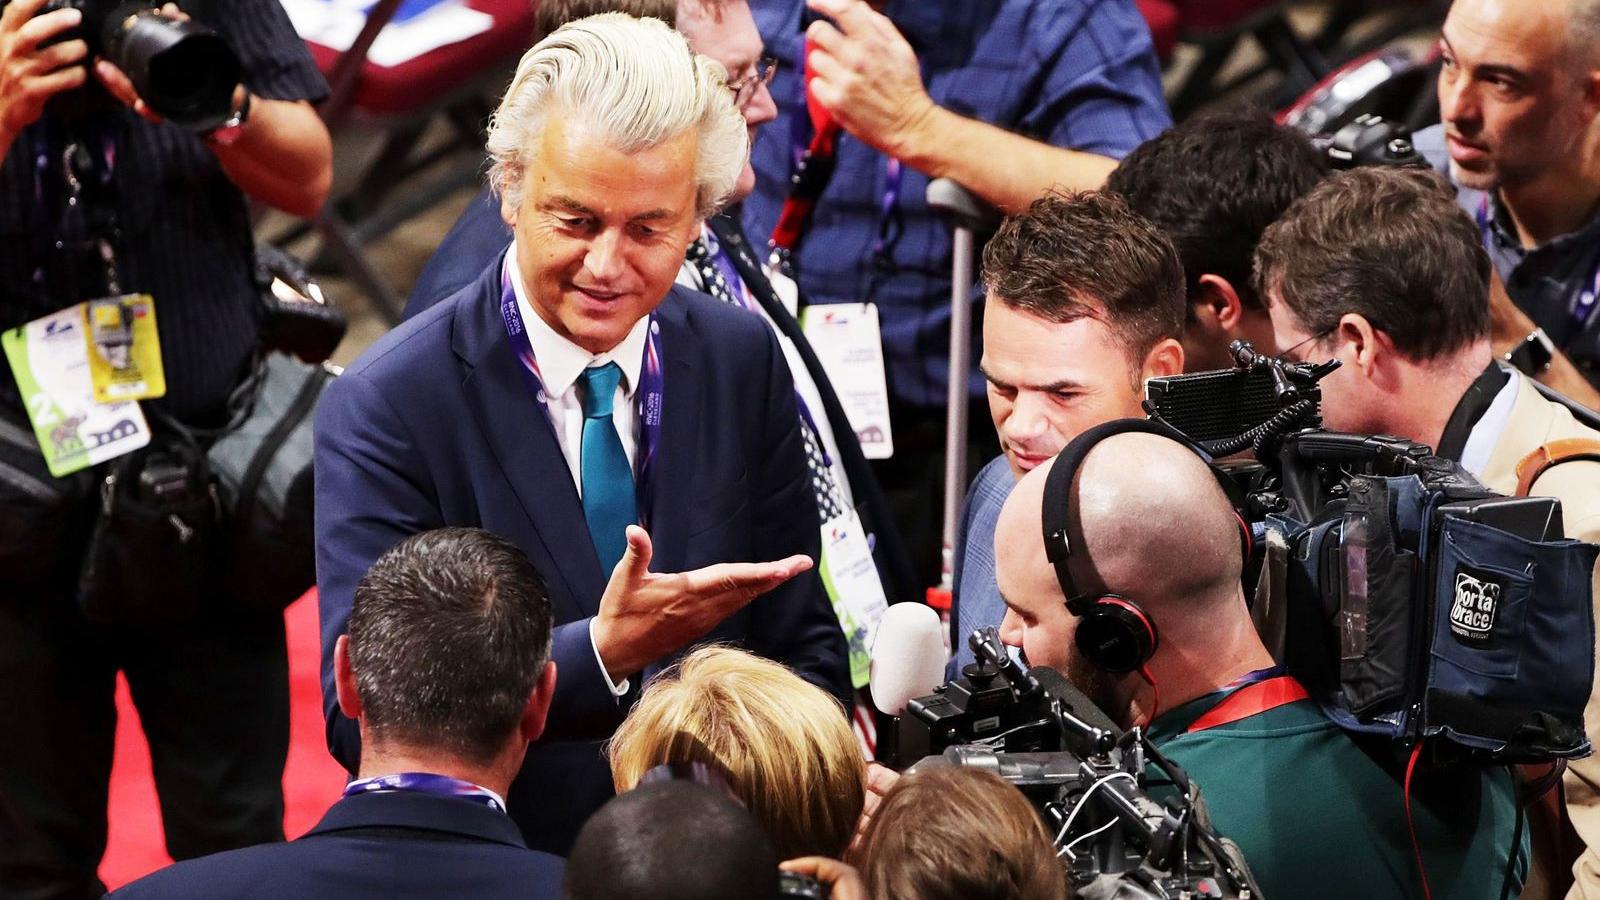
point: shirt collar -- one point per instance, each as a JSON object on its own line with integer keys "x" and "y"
{"x": 560, "y": 360}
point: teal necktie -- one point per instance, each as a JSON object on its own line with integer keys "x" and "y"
{"x": 609, "y": 506}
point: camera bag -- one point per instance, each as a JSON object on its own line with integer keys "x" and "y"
{"x": 263, "y": 467}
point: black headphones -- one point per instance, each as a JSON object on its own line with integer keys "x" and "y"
{"x": 1114, "y": 632}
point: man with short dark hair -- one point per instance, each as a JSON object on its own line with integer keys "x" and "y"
{"x": 1085, "y": 301}
{"x": 447, "y": 672}
{"x": 1519, "y": 95}
{"x": 634, "y": 848}
{"x": 1316, "y": 814}
{"x": 1379, "y": 269}
{"x": 1213, "y": 184}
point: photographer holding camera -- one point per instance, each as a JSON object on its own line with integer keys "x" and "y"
{"x": 131, "y": 138}
{"x": 1381, "y": 270}
{"x": 1156, "y": 632}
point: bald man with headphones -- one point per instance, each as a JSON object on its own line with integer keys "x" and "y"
{"x": 1120, "y": 565}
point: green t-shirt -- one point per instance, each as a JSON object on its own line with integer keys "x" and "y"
{"x": 1318, "y": 814}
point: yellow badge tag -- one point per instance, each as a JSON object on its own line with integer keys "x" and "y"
{"x": 124, "y": 349}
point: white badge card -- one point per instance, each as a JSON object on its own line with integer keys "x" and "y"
{"x": 851, "y": 580}
{"x": 849, "y": 343}
{"x": 50, "y": 360}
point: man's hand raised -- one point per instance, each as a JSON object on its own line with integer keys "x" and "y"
{"x": 646, "y": 615}
{"x": 867, "y": 76}
{"x": 31, "y": 72}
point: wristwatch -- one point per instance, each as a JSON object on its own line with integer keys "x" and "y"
{"x": 225, "y": 134}
{"x": 1532, "y": 355}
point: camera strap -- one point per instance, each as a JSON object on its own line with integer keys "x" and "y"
{"x": 1263, "y": 690}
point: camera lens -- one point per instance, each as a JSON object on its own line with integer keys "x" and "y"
{"x": 184, "y": 71}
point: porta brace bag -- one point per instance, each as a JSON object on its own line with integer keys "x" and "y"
{"x": 1441, "y": 626}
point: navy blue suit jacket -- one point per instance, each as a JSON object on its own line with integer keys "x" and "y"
{"x": 383, "y": 846}
{"x": 434, "y": 426}
{"x": 477, "y": 237}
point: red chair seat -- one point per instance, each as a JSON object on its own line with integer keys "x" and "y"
{"x": 437, "y": 74}
{"x": 1219, "y": 15}
{"x": 1162, "y": 17}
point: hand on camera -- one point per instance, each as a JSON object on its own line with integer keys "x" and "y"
{"x": 843, "y": 882}
{"x": 30, "y": 73}
{"x": 866, "y": 75}
{"x": 646, "y": 615}
{"x": 121, "y": 87}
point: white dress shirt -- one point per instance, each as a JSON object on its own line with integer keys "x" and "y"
{"x": 560, "y": 363}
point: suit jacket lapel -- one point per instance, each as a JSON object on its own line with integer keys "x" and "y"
{"x": 519, "y": 434}
{"x": 671, "y": 486}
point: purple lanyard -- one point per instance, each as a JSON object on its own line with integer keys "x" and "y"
{"x": 426, "y": 783}
{"x": 1583, "y": 310}
{"x": 1250, "y": 678}
{"x": 647, "y": 399}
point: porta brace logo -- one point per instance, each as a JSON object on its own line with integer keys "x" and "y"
{"x": 1472, "y": 613}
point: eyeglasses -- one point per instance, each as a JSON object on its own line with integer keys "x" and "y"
{"x": 1289, "y": 353}
{"x": 744, "y": 90}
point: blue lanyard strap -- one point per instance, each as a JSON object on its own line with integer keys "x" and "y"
{"x": 1582, "y": 311}
{"x": 647, "y": 399}
{"x": 426, "y": 783}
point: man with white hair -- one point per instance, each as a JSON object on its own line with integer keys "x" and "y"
{"x": 560, "y": 403}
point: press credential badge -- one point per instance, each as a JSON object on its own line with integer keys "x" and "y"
{"x": 52, "y": 360}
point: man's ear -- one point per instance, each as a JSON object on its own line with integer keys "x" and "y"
{"x": 533, "y": 715}
{"x": 1356, "y": 343}
{"x": 1218, "y": 302}
{"x": 344, "y": 679}
{"x": 508, "y": 213}
{"x": 1591, "y": 96}
{"x": 1165, "y": 358}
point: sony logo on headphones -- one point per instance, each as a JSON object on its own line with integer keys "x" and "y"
{"x": 1472, "y": 612}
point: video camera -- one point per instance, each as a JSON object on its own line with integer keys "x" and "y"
{"x": 182, "y": 70}
{"x": 1088, "y": 779}
{"x": 1415, "y": 603}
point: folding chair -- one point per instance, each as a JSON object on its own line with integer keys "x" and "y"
{"x": 453, "y": 81}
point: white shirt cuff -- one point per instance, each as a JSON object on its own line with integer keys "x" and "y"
{"x": 617, "y": 690}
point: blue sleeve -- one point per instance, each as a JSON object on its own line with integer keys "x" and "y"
{"x": 475, "y": 241}
{"x": 1103, "y": 90}
{"x": 369, "y": 497}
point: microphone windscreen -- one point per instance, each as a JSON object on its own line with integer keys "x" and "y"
{"x": 1057, "y": 686}
{"x": 908, "y": 656}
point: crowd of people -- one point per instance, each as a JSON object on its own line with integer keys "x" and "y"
{"x": 600, "y": 536}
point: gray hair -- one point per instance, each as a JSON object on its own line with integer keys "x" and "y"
{"x": 1583, "y": 33}
{"x": 634, "y": 80}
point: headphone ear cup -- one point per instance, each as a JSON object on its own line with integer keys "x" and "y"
{"x": 1115, "y": 635}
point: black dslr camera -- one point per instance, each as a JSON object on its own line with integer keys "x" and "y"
{"x": 183, "y": 71}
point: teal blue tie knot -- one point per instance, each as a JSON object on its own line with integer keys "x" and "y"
{"x": 600, "y": 390}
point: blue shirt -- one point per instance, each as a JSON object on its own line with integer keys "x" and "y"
{"x": 975, "y": 597}
{"x": 1073, "y": 73}
{"x": 1550, "y": 282}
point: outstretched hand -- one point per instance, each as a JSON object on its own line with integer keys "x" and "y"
{"x": 646, "y": 615}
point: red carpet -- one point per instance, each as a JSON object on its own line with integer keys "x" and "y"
{"x": 311, "y": 780}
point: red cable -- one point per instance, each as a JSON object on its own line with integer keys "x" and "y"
{"x": 1411, "y": 824}
{"x": 1155, "y": 695}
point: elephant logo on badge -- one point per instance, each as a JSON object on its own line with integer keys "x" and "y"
{"x": 64, "y": 436}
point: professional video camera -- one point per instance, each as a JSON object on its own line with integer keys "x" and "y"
{"x": 1089, "y": 779}
{"x": 1415, "y": 603}
{"x": 182, "y": 70}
